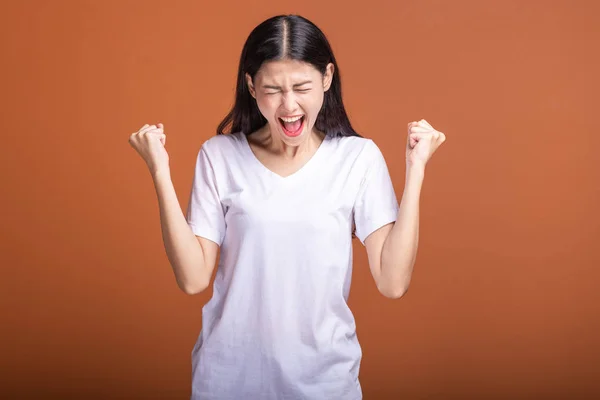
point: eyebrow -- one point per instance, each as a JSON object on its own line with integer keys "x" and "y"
{"x": 279, "y": 87}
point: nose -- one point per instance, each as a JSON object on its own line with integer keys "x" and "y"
{"x": 288, "y": 102}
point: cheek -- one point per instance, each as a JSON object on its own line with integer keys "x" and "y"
{"x": 267, "y": 106}
{"x": 315, "y": 103}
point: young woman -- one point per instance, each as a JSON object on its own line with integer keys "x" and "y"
{"x": 280, "y": 191}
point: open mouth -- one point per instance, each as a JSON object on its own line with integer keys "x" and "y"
{"x": 292, "y": 126}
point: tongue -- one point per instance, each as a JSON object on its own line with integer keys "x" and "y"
{"x": 293, "y": 126}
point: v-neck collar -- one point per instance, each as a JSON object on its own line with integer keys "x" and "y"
{"x": 303, "y": 169}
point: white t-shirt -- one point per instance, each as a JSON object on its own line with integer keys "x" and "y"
{"x": 278, "y": 326}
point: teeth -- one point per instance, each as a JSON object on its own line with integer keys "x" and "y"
{"x": 291, "y": 119}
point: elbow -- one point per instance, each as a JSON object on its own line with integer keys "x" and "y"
{"x": 394, "y": 291}
{"x": 395, "y": 294}
{"x": 396, "y": 286}
{"x": 193, "y": 288}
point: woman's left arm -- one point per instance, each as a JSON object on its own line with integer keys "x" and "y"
{"x": 392, "y": 249}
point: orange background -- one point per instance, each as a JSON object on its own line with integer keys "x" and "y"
{"x": 504, "y": 301}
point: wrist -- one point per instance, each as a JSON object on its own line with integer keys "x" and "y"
{"x": 160, "y": 173}
{"x": 415, "y": 170}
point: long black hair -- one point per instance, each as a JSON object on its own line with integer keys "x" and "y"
{"x": 286, "y": 37}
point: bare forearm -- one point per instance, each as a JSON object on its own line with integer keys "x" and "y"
{"x": 400, "y": 248}
{"x": 181, "y": 245}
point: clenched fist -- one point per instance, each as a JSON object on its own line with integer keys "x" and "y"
{"x": 423, "y": 140}
{"x": 150, "y": 142}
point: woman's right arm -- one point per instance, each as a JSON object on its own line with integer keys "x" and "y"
{"x": 192, "y": 257}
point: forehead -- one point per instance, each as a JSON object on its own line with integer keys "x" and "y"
{"x": 286, "y": 71}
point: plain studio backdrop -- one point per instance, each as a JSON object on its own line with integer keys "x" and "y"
{"x": 504, "y": 301}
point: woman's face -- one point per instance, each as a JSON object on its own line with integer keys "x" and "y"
{"x": 289, "y": 95}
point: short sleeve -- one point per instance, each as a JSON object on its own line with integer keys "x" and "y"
{"x": 205, "y": 213}
{"x": 376, "y": 204}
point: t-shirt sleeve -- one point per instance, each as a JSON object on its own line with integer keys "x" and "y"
{"x": 376, "y": 204}
{"x": 205, "y": 213}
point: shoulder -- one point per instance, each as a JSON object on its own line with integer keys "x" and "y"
{"x": 222, "y": 144}
{"x": 357, "y": 148}
{"x": 222, "y": 150}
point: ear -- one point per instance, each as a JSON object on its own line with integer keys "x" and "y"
{"x": 250, "y": 85}
{"x": 328, "y": 76}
